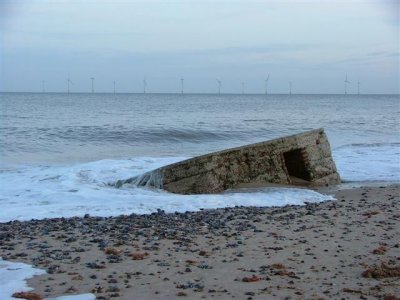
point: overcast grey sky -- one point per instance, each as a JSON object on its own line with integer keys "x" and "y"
{"x": 312, "y": 43}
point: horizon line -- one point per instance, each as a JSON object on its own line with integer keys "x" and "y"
{"x": 193, "y": 93}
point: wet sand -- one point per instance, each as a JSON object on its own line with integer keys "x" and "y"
{"x": 344, "y": 249}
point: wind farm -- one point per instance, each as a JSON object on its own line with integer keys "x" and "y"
{"x": 266, "y": 89}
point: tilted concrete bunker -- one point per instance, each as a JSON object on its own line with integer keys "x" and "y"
{"x": 302, "y": 159}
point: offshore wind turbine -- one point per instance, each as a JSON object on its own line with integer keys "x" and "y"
{"x": 266, "y": 85}
{"x": 290, "y": 87}
{"x": 345, "y": 85}
{"x": 358, "y": 88}
{"x": 114, "y": 87}
{"x": 182, "y": 85}
{"x": 43, "y": 90}
{"x": 144, "y": 86}
{"x": 219, "y": 86}
{"x": 242, "y": 87}
{"x": 68, "y": 82}
{"x": 92, "y": 78}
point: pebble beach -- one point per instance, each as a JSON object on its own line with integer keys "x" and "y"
{"x": 348, "y": 248}
{"x": 199, "y": 150}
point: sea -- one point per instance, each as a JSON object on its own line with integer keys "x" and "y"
{"x": 61, "y": 153}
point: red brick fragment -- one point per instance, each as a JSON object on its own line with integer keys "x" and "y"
{"x": 112, "y": 251}
{"x": 380, "y": 250}
{"x": 139, "y": 256}
{"x": 27, "y": 296}
{"x": 253, "y": 278}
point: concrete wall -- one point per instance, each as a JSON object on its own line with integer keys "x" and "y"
{"x": 299, "y": 159}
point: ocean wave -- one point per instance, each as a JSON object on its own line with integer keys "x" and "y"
{"x": 121, "y": 134}
{"x": 370, "y": 145}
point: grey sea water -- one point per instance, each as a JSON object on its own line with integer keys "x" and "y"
{"x": 69, "y": 128}
{"x": 60, "y": 153}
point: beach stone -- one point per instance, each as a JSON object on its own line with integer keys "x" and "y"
{"x": 303, "y": 159}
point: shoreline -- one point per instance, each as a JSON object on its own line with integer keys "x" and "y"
{"x": 314, "y": 251}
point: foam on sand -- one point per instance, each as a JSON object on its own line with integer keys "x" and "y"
{"x": 13, "y": 277}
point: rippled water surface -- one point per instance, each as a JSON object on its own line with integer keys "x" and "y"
{"x": 54, "y": 128}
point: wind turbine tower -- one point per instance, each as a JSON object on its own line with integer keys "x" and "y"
{"x": 182, "y": 85}
{"x": 290, "y": 87}
{"x": 242, "y": 88}
{"x": 114, "y": 87}
{"x": 144, "y": 86}
{"x": 358, "y": 88}
{"x": 92, "y": 78}
{"x": 219, "y": 86}
{"x": 68, "y": 82}
{"x": 43, "y": 90}
{"x": 266, "y": 85}
{"x": 345, "y": 85}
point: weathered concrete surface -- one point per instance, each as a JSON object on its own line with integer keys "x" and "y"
{"x": 303, "y": 159}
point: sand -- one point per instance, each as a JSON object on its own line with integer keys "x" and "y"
{"x": 344, "y": 249}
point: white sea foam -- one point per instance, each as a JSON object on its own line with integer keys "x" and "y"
{"x": 13, "y": 277}
{"x": 366, "y": 163}
{"x": 39, "y": 192}
{"x": 66, "y": 191}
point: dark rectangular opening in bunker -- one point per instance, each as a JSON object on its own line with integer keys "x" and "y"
{"x": 296, "y": 164}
